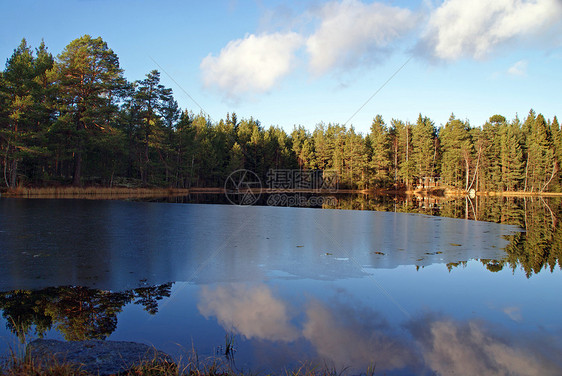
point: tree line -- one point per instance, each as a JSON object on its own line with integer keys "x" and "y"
{"x": 75, "y": 119}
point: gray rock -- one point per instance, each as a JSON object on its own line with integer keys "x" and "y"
{"x": 95, "y": 356}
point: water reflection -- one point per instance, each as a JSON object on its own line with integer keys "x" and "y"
{"x": 296, "y": 284}
{"x": 538, "y": 248}
{"x": 250, "y": 311}
{"x": 78, "y": 313}
{"x": 339, "y": 329}
{"x": 112, "y": 245}
{"x": 448, "y": 346}
{"x": 346, "y": 332}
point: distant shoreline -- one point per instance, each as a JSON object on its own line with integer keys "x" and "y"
{"x": 102, "y": 193}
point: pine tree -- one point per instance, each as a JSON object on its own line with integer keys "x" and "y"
{"x": 541, "y": 163}
{"x": 88, "y": 79}
{"x": 457, "y": 153}
{"x": 424, "y": 151}
{"x": 324, "y": 147}
{"x": 511, "y": 156}
{"x": 17, "y": 90}
{"x": 380, "y": 162}
{"x": 488, "y": 148}
{"x": 401, "y": 135}
{"x": 155, "y": 109}
{"x": 355, "y": 159}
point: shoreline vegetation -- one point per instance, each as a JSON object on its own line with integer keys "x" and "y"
{"x": 104, "y": 193}
{"x": 192, "y": 365}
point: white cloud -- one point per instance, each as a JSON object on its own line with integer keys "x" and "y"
{"x": 518, "y": 69}
{"x": 342, "y": 35}
{"x": 352, "y": 33}
{"x": 252, "y": 64}
{"x": 250, "y": 311}
{"x": 460, "y": 28}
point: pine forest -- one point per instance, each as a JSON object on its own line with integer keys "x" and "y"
{"x": 73, "y": 119}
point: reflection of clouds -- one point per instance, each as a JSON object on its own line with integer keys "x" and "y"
{"x": 450, "y": 347}
{"x": 514, "y": 313}
{"x": 347, "y": 333}
{"x": 355, "y": 337}
{"x": 251, "y": 311}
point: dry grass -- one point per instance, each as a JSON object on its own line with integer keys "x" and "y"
{"x": 114, "y": 193}
{"x": 24, "y": 366}
{"x": 16, "y": 366}
{"x": 97, "y": 193}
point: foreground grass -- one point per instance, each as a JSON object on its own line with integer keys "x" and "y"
{"x": 216, "y": 367}
{"x": 17, "y": 366}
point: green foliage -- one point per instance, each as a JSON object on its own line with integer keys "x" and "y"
{"x": 88, "y": 78}
{"x": 380, "y": 162}
{"x": 424, "y": 148}
{"x": 24, "y": 111}
{"x": 76, "y": 119}
{"x": 457, "y": 147}
{"x": 78, "y": 313}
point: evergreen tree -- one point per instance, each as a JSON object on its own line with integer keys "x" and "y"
{"x": 379, "y": 163}
{"x": 424, "y": 153}
{"x": 457, "y": 153}
{"x": 511, "y": 156}
{"x": 25, "y": 114}
{"x": 356, "y": 159}
{"x": 155, "y": 109}
{"x": 541, "y": 165}
{"x": 89, "y": 80}
{"x": 401, "y": 134}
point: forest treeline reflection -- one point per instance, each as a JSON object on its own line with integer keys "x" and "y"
{"x": 538, "y": 248}
{"x": 78, "y": 313}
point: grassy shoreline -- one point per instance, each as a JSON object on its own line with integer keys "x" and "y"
{"x": 100, "y": 193}
{"x": 193, "y": 366}
{"x": 116, "y": 193}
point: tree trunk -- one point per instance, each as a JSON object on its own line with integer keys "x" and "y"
{"x": 77, "y": 168}
{"x": 526, "y": 173}
{"x": 14, "y": 174}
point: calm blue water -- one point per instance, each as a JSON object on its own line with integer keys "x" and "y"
{"x": 287, "y": 285}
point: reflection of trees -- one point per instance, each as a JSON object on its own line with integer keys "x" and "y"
{"x": 539, "y": 247}
{"x": 79, "y": 313}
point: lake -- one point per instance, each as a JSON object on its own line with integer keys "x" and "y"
{"x": 405, "y": 293}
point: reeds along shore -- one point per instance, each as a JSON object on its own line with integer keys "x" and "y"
{"x": 92, "y": 192}
{"x": 109, "y": 193}
{"x": 191, "y": 366}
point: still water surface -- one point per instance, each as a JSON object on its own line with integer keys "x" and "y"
{"x": 406, "y": 293}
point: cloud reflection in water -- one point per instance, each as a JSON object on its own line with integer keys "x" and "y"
{"x": 250, "y": 311}
{"x": 351, "y": 334}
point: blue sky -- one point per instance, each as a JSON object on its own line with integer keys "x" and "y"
{"x": 304, "y": 62}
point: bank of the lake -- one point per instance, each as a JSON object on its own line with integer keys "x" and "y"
{"x": 117, "y": 193}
